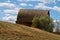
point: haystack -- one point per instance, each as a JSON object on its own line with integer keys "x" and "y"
{"x": 25, "y": 16}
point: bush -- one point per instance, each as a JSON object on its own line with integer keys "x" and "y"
{"x": 43, "y": 22}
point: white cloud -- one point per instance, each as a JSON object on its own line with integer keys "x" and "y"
{"x": 10, "y": 5}
{"x": 44, "y": 1}
{"x": 56, "y": 8}
{"x": 12, "y": 11}
{"x": 31, "y": 0}
{"x": 42, "y": 5}
{"x": 48, "y": 1}
{"x": 25, "y": 4}
{"x": 30, "y": 4}
{"x": 8, "y": 17}
{"x": 11, "y": 19}
{"x": 7, "y": 14}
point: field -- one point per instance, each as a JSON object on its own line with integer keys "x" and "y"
{"x": 9, "y": 31}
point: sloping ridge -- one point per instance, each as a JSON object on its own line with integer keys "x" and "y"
{"x": 9, "y": 31}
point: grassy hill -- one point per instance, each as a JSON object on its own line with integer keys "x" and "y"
{"x": 9, "y": 31}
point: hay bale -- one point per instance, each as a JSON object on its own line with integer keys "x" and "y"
{"x": 25, "y": 16}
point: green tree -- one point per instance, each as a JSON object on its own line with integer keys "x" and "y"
{"x": 43, "y": 22}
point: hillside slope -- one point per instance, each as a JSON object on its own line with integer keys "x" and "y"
{"x": 9, "y": 31}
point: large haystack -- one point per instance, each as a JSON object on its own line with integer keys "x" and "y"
{"x": 25, "y": 16}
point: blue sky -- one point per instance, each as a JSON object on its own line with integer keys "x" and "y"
{"x": 9, "y": 8}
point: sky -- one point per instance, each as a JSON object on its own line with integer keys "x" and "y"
{"x": 9, "y": 8}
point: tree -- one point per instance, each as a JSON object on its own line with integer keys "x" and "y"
{"x": 43, "y": 22}
{"x": 57, "y": 25}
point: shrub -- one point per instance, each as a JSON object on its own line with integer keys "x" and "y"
{"x": 43, "y": 22}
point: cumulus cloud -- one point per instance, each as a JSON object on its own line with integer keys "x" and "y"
{"x": 44, "y": 1}
{"x": 12, "y": 11}
{"x": 25, "y": 4}
{"x": 43, "y": 6}
{"x": 8, "y": 17}
{"x": 56, "y": 8}
{"x": 10, "y": 5}
{"x": 7, "y": 14}
{"x": 48, "y": 1}
{"x": 30, "y": 4}
{"x": 11, "y": 19}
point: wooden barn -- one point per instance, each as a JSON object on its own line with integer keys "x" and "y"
{"x": 25, "y": 16}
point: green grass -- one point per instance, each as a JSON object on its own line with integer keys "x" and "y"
{"x": 9, "y": 31}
